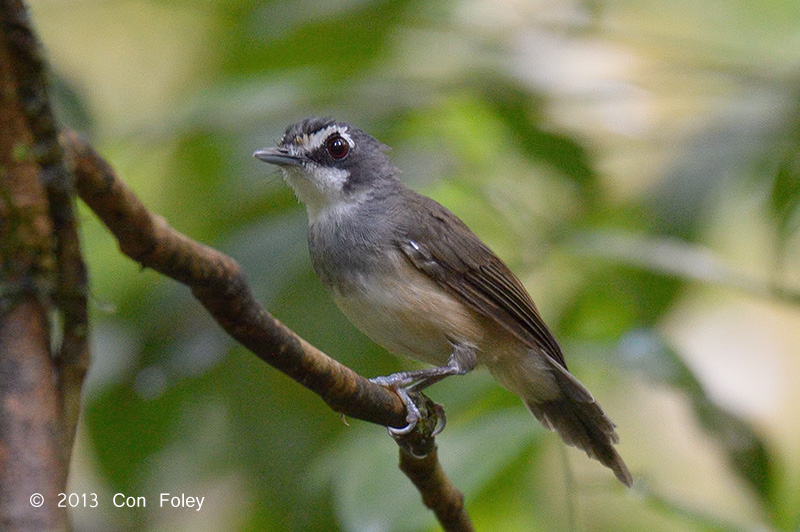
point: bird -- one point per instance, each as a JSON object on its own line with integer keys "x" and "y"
{"x": 416, "y": 280}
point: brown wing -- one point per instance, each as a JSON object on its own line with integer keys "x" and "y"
{"x": 454, "y": 257}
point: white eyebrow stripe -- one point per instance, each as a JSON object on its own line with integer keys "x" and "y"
{"x": 315, "y": 140}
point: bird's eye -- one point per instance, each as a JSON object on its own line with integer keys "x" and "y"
{"x": 337, "y": 147}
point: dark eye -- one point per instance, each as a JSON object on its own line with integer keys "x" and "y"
{"x": 337, "y": 147}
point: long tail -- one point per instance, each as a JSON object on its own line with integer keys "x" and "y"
{"x": 580, "y": 422}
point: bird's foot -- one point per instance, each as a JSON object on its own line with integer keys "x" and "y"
{"x": 423, "y": 416}
{"x": 397, "y": 384}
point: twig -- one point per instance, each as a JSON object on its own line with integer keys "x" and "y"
{"x": 419, "y": 460}
{"x": 218, "y": 283}
{"x": 438, "y": 493}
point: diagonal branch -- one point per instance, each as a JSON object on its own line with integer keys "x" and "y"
{"x": 218, "y": 282}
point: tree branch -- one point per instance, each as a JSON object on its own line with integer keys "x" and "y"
{"x": 438, "y": 493}
{"x": 218, "y": 282}
{"x": 419, "y": 460}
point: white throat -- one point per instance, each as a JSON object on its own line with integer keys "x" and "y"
{"x": 321, "y": 190}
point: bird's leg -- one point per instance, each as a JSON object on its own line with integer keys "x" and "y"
{"x": 461, "y": 361}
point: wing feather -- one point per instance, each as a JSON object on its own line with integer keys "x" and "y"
{"x": 450, "y": 254}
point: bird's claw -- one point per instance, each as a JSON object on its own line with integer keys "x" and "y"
{"x": 441, "y": 420}
{"x": 413, "y": 414}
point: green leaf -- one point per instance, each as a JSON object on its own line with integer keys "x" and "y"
{"x": 785, "y": 193}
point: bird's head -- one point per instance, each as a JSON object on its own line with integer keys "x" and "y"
{"x": 329, "y": 163}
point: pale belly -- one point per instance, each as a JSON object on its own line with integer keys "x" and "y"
{"x": 415, "y": 318}
{"x": 410, "y": 316}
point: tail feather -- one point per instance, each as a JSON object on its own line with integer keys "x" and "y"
{"x": 580, "y": 422}
{"x": 585, "y": 426}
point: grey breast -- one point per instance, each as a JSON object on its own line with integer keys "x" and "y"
{"x": 348, "y": 247}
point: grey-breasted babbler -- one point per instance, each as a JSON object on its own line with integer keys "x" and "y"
{"x": 414, "y": 278}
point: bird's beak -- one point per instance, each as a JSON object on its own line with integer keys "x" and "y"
{"x": 276, "y": 155}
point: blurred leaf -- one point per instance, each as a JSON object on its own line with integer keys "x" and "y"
{"x": 272, "y": 251}
{"x": 675, "y": 258}
{"x": 717, "y": 152}
{"x": 127, "y": 430}
{"x": 644, "y": 352}
{"x": 786, "y": 190}
{"x": 785, "y": 193}
{"x": 373, "y": 494}
{"x": 522, "y": 113}
{"x": 616, "y": 293}
{"x": 666, "y": 505}
{"x": 339, "y": 42}
{"x": 69, "y": 104}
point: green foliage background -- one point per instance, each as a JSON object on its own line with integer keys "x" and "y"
{"x": 635, "y": 162}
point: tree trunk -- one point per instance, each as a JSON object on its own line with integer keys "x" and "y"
{"x": 35, "y": 441}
